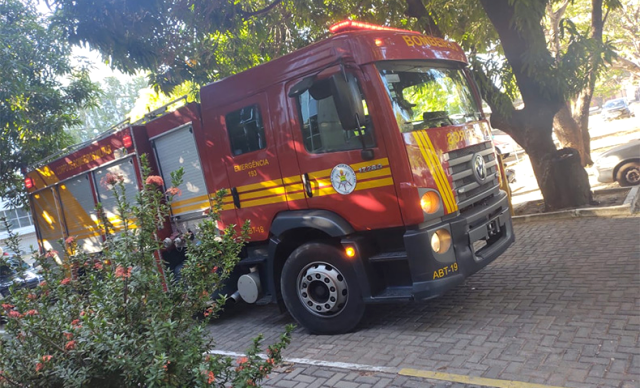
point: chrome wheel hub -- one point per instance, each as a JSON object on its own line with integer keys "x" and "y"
{"x": 322, "y": 289}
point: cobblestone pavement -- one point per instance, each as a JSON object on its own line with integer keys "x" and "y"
{"x": 560, "y": 308}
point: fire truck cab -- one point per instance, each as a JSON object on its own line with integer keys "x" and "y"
{"x": 363, "y": 162}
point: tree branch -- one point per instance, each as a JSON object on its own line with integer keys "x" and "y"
{"x": 263, "y": 10}
{"x": 416, "y": 9}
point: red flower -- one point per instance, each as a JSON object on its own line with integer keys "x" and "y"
{"x": 154, "y": 180}
{"x": 7, "y": 306}
{"x": 98, "y": 265}
{"x": 51, "y": 254}
{"x": 174, "y": 191}
{"x": 211, "y": 376}
{"x": 42, "y": 283}
{"x": 70, "y": 240}
{"x": 47, "y": 358}
{"x": 32, "y": 296}
{"x": 76, "y": 323}
{"x": 214, "y": 269}
{"x": 111, "y": 179}
{"x": 121, "y": 273}
{"x": 15, "y": 314}
{"x": 242, "y": 360}
{"x": 271, "y": 361}
{"x": 39, "y": 366}
{"x": 31, "y": 313}
{"x": 70, "y": 345}
{"x": 65, "y": 281}
{"x": 68, "y": 336}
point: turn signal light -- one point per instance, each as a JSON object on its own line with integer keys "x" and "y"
{"x": 430, "y": 202}
{"x": 350, "y": 252}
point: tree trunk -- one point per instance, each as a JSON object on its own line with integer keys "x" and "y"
{"x": 570, "y": 135}
{"x": 561, "y": 178}
{"x": 583, "y": 101}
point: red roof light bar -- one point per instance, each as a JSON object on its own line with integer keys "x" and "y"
{"x": 351, "y": 25}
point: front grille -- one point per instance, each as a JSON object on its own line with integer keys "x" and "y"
{"x": 468, "y": 189}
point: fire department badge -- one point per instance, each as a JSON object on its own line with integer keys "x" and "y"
{"x": 343, "y": 179}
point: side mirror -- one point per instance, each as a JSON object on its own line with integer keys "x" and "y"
{"x": 346, "y": 96}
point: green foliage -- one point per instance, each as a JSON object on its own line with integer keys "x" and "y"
{"x": 116, "y": 99}
{"x": 40, "y": 91}
{"x": 115, "y": 321}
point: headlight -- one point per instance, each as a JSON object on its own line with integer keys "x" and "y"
{"x": 608, "y": 161}
{"x": 430, "y": 202}
{"x": 441, "y": 241}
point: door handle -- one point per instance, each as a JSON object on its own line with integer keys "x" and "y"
{"x": 236, "y": 197}
{"x": 307, "y": 185}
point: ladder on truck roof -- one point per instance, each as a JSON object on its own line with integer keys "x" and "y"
{"x": 154, "y": 114}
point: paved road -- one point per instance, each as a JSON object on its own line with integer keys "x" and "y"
{"x": 560, "y": 308}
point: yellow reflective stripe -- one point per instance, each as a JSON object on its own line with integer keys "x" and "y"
{"x": 374, "y": 183}
{"x": 197, "y": 206}
{"x": 199, "y": 198}
{"x": 263, "y": 193}
{"x": 373, "y": 174}
{"x": 425, "y": 155}
{"x": 441, "y": 180}
{"x": 320, "y": 174}
{"x": 295, "y": 197}
{"x": 228, "y": 207}
{"x": 87, "y": 235}
{"x": 325, "y": 173}
{"x": 259, "y": 185}
{"x": 292, "y": 179}
{"x": 440, "y": 170}
{"x": 295, "y": 187}
{"x": 264, "y": 201}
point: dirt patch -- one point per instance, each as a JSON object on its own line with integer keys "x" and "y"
{"x": 603, "y": 198}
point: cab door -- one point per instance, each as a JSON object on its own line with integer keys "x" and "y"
{"x": 333, "y": 168}
{"x": 249, "y": 152}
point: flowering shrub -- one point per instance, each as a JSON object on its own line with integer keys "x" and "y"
{"x": 115, "y": 320}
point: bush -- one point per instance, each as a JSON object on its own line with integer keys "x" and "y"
{"x": 116, "y": 321}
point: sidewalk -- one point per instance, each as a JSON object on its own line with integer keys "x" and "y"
{"x": 559, "y": 309}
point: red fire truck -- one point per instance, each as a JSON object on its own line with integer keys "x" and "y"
{"x": 364, "y": 163}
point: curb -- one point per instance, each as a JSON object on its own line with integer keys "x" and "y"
{"x": 627, "y": 208}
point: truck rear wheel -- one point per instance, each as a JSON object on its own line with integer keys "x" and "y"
{"x": 320, "y": 289}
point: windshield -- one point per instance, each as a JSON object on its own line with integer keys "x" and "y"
{"x": 425, "y": 96}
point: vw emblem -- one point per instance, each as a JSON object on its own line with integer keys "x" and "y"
{"x": 479, "y": 168}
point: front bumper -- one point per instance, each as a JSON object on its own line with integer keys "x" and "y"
{"x": 605, "y": 174}
{"x": 433, "y": 274}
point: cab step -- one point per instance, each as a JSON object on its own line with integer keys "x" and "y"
{"x": 392, "y": 294}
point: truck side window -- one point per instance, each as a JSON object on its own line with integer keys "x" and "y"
{"x": 321, "y": 128}
{"x": 246, "y": 131}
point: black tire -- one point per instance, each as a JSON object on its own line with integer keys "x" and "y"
{"x": 629, "y": 174}
{"x": 332, "y": 276}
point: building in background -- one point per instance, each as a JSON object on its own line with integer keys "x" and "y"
{"x": 22, "y": 224}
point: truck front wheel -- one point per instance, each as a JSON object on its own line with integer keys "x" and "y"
{"x": 320, "y": 289}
